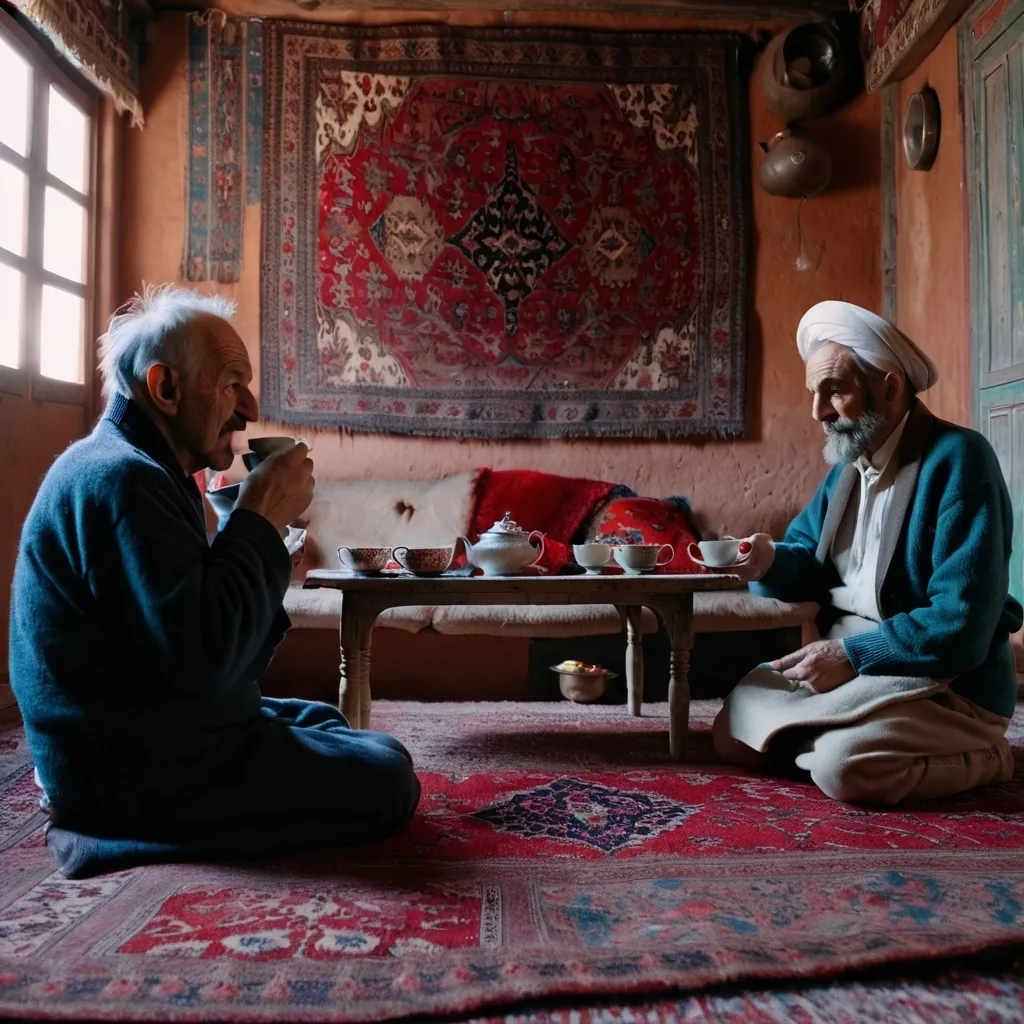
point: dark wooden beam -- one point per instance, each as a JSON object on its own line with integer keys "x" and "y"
{"x": 702, "y": 10}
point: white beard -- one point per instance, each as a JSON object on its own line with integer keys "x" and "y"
{"x": 847, "y": 440}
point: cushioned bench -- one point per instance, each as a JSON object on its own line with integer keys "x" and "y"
{"x": 730, "y": 611}
{"x": 430, "y": 512}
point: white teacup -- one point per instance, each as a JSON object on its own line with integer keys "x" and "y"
{"x": 636, "y": 558}
{"x": 717, "y": 554}
{"x": 592, "y": 556}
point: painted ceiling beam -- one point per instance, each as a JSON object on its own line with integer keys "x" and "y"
{"x": 704, "y": 10}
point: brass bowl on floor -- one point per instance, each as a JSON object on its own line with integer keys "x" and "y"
{"x": 583, "y": 687}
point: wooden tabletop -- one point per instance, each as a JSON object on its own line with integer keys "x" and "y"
{"x": 595, "y": 588}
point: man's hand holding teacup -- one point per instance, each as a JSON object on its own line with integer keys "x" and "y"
{"x": 280, "y": 488}
{"x": 758, "y": 553}
{"x": 822, "y": 665}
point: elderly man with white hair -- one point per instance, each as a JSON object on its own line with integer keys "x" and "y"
{"x": 137, "y": 645}
{"x": 906, "y": 546}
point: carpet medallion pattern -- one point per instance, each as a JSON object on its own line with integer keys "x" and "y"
{"x": 522, "y": 233}
{"x": 557, "y": 852}
{"x": 573, "y": 811}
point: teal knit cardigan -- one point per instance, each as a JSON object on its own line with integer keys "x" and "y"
{"x": 946, "y": 611}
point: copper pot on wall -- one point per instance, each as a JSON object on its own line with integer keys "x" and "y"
{"x": 806, "y": 72}
{"x": 795, "y": 166}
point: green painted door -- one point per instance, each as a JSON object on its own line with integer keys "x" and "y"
{"x": 992, "y": 63}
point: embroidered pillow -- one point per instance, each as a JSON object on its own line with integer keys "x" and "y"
{"x": 650, "y": 521}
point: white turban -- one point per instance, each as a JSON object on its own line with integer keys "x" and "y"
{"x": 875, "y": 340}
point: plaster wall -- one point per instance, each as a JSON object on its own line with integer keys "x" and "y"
{"x": 932, "y": 299}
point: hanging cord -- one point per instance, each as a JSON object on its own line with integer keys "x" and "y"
{"x": 803, "y": 260}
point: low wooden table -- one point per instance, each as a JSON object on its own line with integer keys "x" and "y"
{"x": 669, "y": 597}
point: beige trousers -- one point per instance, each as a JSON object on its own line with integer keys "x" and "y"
{"x": 917, "y": 749}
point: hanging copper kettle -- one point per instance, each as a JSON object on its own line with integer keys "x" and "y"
{"x": 795, "y": 166}
{"x": 806, "y": 72}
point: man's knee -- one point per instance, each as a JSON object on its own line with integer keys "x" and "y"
{"x": 396, "y": 781}
{"x": 852, "y": 784}
{"x": 387, "y": 740}
{"x": 721, "y": 738}
{"x": 887, "y": 779}
{"x": 376, "y": 788}
{"x": 350, "y": 773}
{"x": 395, "y": 785}
{"x": 843, "y": 769}
{"x": 731, "y": 750}
{"x": 303, "y": 714}
{"x": 720, "y": 731}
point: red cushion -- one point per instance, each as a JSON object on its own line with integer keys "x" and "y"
{"x": 648, "y": 521}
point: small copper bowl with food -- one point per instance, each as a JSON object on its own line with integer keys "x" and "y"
{"x": 582, "y": 682}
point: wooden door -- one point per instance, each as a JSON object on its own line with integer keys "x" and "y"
{"x": 992, "y": 68}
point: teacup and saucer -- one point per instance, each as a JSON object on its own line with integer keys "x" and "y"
{"x": 425, "y": 561}
{"x": 364, "y": 561}
{"x": 638, "y": 558}
{"x": 719, "y": 554}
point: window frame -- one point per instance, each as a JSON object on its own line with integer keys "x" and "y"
{"x": 48, "y": 68}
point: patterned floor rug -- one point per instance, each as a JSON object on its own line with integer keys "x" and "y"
{"x": 557, "y": 855}
{"x": 971, "y": 996}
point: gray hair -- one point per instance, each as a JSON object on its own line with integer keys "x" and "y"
{"x": 148, "y": 330}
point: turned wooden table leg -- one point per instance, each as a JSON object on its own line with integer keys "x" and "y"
{"x": 634, "y": 661}
{"x": 356, "y": 629}
{"x": 681, "y": 641}
{"x": 677, "y": 617}
{"x": 349, "y": 648}
{"x": 365, "y": 701}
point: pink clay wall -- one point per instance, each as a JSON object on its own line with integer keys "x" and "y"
{"x": 932, "y": 301}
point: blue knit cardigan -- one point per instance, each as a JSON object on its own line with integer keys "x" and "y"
{"x": 129, "y": 630}
{"x": 943, "y": 575}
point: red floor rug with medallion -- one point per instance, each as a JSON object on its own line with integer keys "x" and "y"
{"x": 557, "y": 854}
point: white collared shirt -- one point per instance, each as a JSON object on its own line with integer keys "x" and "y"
{"x": 857, "y": 543}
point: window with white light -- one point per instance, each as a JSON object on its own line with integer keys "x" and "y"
{"x": 47, "y": 143}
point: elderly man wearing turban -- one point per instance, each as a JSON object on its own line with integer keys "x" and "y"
{"x": 906, "y": 546}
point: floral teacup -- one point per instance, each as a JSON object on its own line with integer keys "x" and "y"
{"x": 364, "y": 559}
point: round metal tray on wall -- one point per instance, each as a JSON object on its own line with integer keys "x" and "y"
{"x": 921, "y": 128}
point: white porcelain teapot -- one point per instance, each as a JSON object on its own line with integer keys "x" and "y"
{"x": 505, "y": 548}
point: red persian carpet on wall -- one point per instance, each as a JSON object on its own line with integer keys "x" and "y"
{"x": 504, "y": 233}
{"x": 557, "y": 853}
